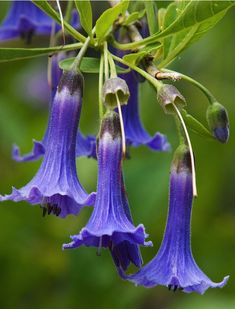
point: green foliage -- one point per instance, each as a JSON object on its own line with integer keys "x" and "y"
{"x": 105, "y": 22}
{"x": 88, "y": 65}
{"x": 133, "y": 17}
{"x": 85, "y": 13}
{"x": 187, "y": 22}
{"x": 195, "y": 125}
{"x": 151, "y": 16}
{"x": 46, "y": 7}
{"x": 12, "y": 54}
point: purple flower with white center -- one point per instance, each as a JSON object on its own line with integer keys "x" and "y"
{"x": 174, "y": 265}
{"x": 110, "y": 224}
{"x": 135, "y": 133}
{"x": 85, "y": 145}
{"x": 56, "y": 186}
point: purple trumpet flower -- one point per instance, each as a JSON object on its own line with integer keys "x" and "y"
{"x": 174, "y": 265}
{"x": 110, "y": 225}
{"x": 135, "y": 133}
{"x": 56, "y": 186}
{"x": 25, "y": 19}
{"x": 85, "y": 145}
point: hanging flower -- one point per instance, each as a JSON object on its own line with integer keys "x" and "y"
{"x": 56, "y": 186}
{"x": 110, "y": 224}
{"x": 85, "y": 145}
{"x": 25, "y": 19}
{"x": 174, "y": 265}
{"x": 135, "y": 133}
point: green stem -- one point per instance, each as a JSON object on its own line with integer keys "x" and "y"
{"x": 68, "y": 11}
{"x": 78, "y": 59}
{"x": 179, "y": 130}
{"x": 101, "y": 77}
{"x": 207, "y": 93}
{"x": 112, "y": 66}
{"x": 127, "y": 46}
{"x": 157, "y": 84}
{"x": 106, "y": 61}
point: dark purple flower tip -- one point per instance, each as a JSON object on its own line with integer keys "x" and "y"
{"x": 125, "y": 253}
{"x": 221, "y": 134}
{"x": 217, "y": 118}
{"x": 110, "y": 225}
{"x": 115, "y": 87}
{"x": 169, "y": 95}
{"x": 37, "y": 152}
{"x": 56, "y": 186}
{"x": 174, "y": 265}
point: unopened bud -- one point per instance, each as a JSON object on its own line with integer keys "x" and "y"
{"x": 115, "y": 88}
{"x": 218, "y": 122}
{"x": 168, "y": 96}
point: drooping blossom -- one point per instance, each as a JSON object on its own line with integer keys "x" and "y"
{"x": 136, "y": 135}
{"x": 110, "y": 225}
{"x": 85, "y": 145}
{"x": 25, "y": 19}
{"x": 174, "y": 265}
{"x": 56, "y": 186}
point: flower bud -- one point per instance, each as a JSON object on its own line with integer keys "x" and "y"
{"x": 218, "y": 122}
{"x": 115, "y": 87}
{"x": 169, "y": 95}
{"x": 182, "y": 160}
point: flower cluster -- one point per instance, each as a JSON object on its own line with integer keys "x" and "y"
{"x": 56, "y": 187}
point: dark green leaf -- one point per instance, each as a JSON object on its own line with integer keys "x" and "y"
{"x": 88, "y": 65}
{"x": 151, "y": 16}
{"x": 195, "y": 125}
{"x": 12, "y": 54}
{"x": 105, "y": 21}
{"x": 85, "y": 13}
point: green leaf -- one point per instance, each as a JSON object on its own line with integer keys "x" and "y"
{"x": 135, "y": 58}
{"x": 105, "y": 21}
{"x": 195, "y": 125}
{"x": 45, "y": 7}
{"x": 201, "y": 14}
{"x": 12, "y": 54}
{"x": 151, "y": 16}
{"x": 88, "y": 65}
{"x": 133, "y": 17}
{"x": 85, "y": 13}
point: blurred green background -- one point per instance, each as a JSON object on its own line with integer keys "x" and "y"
{"x": 36, "y": 273}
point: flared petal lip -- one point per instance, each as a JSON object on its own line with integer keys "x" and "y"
{"x": 157, "y": 142}
{"x": 129, "y": 235}
{"x": 37, "y": 152}
{"x": 199, "y": 287}
{"x": 35, "y": 196}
